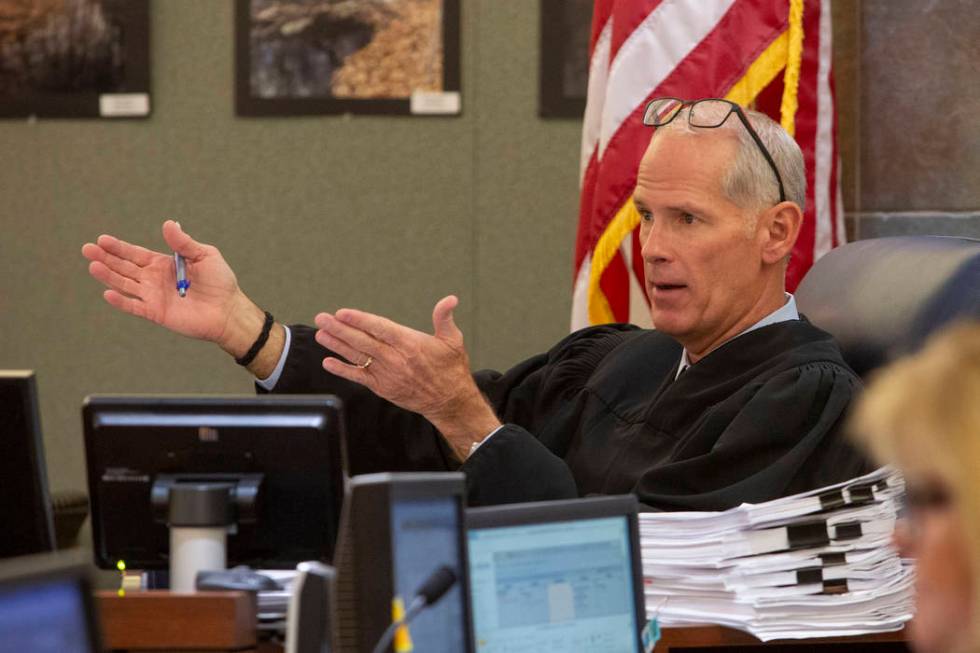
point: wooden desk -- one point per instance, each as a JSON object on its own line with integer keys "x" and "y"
{"x": 704, "y": 638}
{"x": 161, "y": 621}
{"x": 225, "y": 621}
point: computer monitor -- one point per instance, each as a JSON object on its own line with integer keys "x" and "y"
{"x": 397, "y": 530}
{"x": 556, "y": 575}
{"x": 25, "y": 505}
{"x": 46, "y": 606}
{"x": 284, "y": 453}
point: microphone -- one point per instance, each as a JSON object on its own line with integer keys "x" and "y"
{"x": 431, "y": 590}
{"x": 437, "y": 584}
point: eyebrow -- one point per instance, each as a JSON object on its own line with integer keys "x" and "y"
{"x": 685, "y": 208}
{"x": 678, "y": 208}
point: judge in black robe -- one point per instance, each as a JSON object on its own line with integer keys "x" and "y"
{"x": 601, "y": 413}
{"x": 754, "y": 417}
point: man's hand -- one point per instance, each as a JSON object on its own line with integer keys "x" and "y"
{"x": 143, "y": 282}
{"x": 427, "y": 374}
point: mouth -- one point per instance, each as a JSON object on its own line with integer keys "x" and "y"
{"x": 667, "y": 287}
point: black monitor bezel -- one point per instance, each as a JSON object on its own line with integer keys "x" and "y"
{"x": 93, "y": 404}
{"x": 25, "y": 382}
{"x": 25, "y": 571}
{"x": 373, "y": 496}
{"x": 543, "y": 512}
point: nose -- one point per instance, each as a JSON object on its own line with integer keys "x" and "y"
{"x": 654, "y": 245}
{"x": 903, "y": 539}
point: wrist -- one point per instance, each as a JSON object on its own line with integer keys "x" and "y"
{"x": 242, "y": 326}
{"x": 263, "y": 338}
{"x": 268, "y": 356}
{"x": 465, "y": 422}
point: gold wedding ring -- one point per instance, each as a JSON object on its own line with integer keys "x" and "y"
{"x": 366, "y": 364}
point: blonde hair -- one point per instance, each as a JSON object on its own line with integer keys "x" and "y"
{"x": 922, "y": 414}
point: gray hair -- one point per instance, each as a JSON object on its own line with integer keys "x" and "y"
{"x": 749, "y": 181}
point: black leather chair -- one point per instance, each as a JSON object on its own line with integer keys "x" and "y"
{"x": 69, "y": 509}
{"x": 883, "y": 297}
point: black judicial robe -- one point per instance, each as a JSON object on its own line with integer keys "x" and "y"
{"x": 758, "y": 418}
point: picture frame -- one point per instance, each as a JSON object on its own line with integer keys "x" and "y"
{"x": 84, "y": 59}
{"x": 356, "y": 57}
{"x": 566, "y": 27}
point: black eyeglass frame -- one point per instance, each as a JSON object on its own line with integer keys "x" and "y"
{"x": 733, "y": 108}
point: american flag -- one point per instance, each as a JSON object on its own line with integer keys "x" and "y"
{"x": 772, "y": 55}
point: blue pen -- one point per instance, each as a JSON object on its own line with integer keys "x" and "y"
{"x": 181, "y": 268}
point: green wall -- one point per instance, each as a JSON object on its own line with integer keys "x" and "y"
{"x": 386, "y": 214}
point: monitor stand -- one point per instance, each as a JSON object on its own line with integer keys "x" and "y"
{"x": 200, "y": 509}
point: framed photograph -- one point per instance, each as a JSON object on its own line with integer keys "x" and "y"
{"x": 74, "y": 58}
{"x": 566, "y": 26}
{"x": 308, "y": 57}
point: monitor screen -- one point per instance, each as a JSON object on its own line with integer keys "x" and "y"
{"x": 46, "y": 607}
{"x": 45, "y": 618}
{"x": 292, "y": 444}
{"x": 561, "y": 582}
{"x": 402, "y": 531}
{"x": 25, "y": 505}
{"x": 425, "y": 535}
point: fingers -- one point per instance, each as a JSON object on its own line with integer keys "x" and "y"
{"x": 442, "y": 319}
{"x": 353, "y": 337}
{"x": 347, "y": 371}
{"x": 93, "y": 252}
{"x": 181, "y": 243}
{"x": 114, "y": 263}
{"x": 379, "y": 328}
{"x": 125, "y": 304}
{"x": 113, "y": 279}
{"x": 120, "y": 248}
{"x": 341, "y": 348}
{"x": 364, "y": 332}
{"x": 354, "y": 345}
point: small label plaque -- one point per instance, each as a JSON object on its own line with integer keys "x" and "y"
{"x": 124, "y": 105}
{"x": 435, "y": 103}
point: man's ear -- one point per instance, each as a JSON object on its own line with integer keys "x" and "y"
{"x": 779, "y": 227}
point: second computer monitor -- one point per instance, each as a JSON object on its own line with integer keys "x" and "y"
{"x": 557, "y": 575}
{"x": 399, "y": 530}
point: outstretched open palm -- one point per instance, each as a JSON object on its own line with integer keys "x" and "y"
{"x": 143, "y": 282}
{"x": 427, "y": 374}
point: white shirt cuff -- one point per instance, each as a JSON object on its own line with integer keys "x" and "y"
{"x": 270, "y": 382}
{"x": 477, "y": 445}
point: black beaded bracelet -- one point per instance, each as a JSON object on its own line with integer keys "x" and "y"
{"x": 259, "y": 342}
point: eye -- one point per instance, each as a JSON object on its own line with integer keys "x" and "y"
{"x": 645, "y": 216}
{"x": 688, "y": 218}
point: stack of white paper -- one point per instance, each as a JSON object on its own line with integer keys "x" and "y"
{"x": 817, "y": 564}
{"x": 273, "y": 604}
